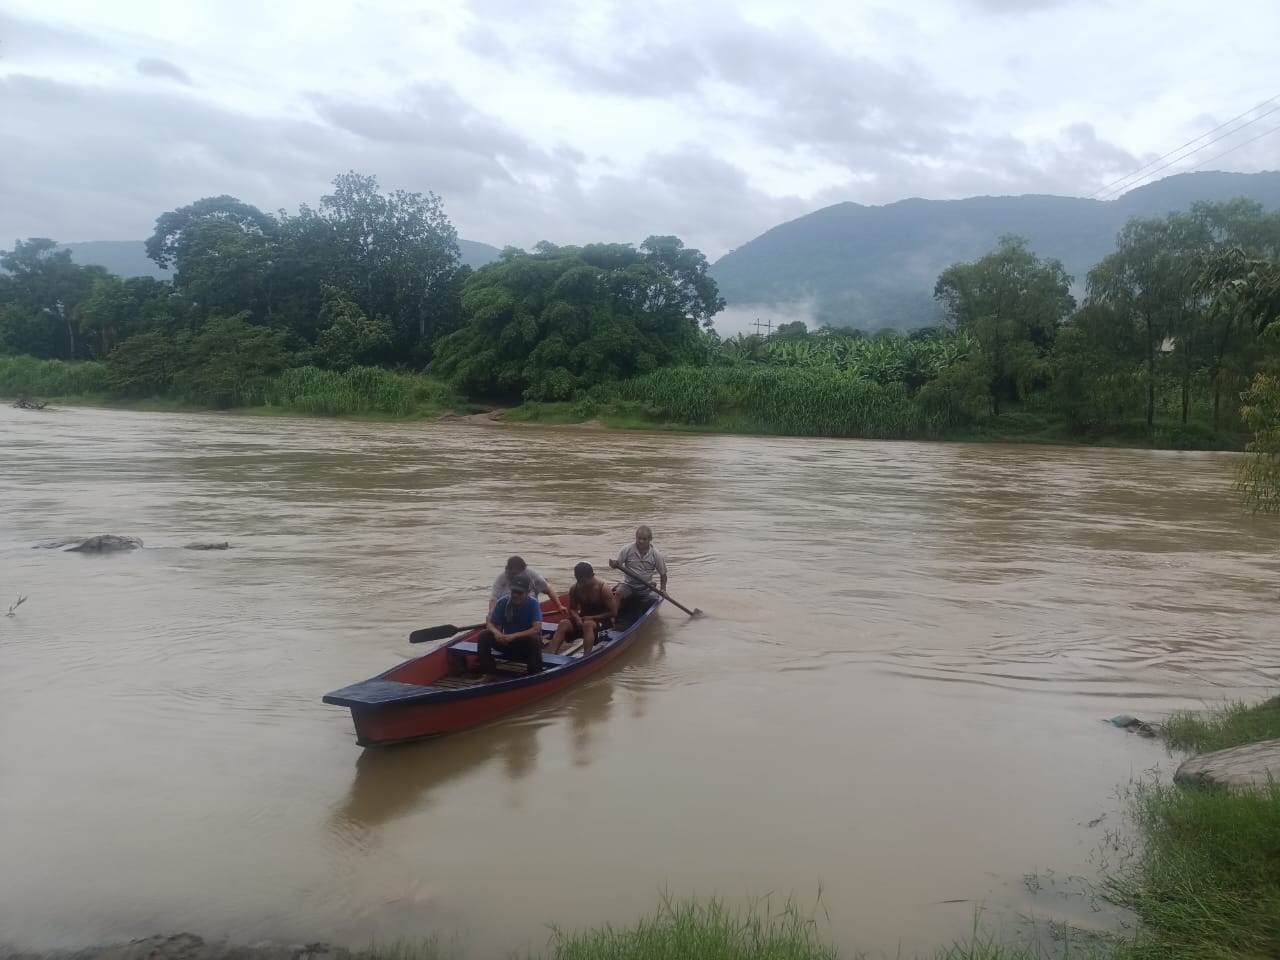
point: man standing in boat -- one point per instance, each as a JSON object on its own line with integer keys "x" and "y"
{"x": 516, "y": 567}
{"x": 514, "y": 627}
{"x": 639, "y": 562}
{"x": 592, "y": 607}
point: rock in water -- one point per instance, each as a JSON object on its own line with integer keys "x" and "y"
{"x": 208, "y": 546}
{"x": 57, "y": 544}
{"x": 107, "y": 543}
{"x": 1250, "y": 766}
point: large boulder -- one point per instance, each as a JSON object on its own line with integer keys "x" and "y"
{"x": 1251, "y": 766}
{"x": 106, "y": 543}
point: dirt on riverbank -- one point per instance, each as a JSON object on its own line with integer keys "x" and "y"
{"x": 187, "y": 946}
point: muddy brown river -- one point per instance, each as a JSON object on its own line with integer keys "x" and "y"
{"x": 891, "y": 712}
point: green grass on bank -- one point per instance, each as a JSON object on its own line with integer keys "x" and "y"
{"x": 696, "y": 930}
{"x": 708, "y": 931}
{"x": 1206, "y": 883}
{"x": 1226, "y": 726}
{"x": 693, "y": 929}
{"x": 755, "y": 400}
{"x": 361, "y": 392}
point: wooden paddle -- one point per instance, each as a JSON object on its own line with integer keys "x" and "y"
{"x": 695, "y": 612}
{"x": 428, "y": 634}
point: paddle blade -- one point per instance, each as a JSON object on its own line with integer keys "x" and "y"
{"x": 430, "y": 634}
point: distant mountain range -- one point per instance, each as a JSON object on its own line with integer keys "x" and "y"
{"x": 128, "y": 258}
{"x": 874, "y": 267}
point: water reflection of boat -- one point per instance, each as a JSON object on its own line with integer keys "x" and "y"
{"x": 390, "y": 784}
{"x": 438, "y": 693}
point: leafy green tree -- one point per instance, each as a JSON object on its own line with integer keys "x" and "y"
{"x": 1012, "y": 302}
{"x": 172, "y": 234}
{"x": 1093, "y": 365}
{"x": 44, "y": 283}
{"x": 686, "y": 285}
{"x": 1249, "y": 287}
{"x": 225, "y": 270}
{"x": 959, "y": 395}
{"x": 546, "y": 324}
{"x": 348, "y": 337}
{"x": 145, "y": 365}
{"x": 796, "y": 330}
{"x": 394, "y": 254}
{"x": 1259, "y": 479}
{"x": 230, "y": 360}
{"x": 116, "y": 308}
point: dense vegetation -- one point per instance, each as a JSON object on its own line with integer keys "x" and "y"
{"x": 362, "y": 306}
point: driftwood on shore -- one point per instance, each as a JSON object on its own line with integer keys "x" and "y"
{"x": 22, "y": 403}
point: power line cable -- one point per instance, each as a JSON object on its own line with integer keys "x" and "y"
{"x": 1190, "y": 153}
{"x": 1123, "y": 182}
{"x": 1265, "y": 133}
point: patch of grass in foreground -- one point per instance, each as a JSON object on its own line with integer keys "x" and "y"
{"x": 695, "y": 930}
{"x": 1207, "y": 883}
{"x": 708, "y": 931}
{"x": 1227, "y": 726}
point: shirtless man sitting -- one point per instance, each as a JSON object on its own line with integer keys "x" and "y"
{"x": 592, "y": 607}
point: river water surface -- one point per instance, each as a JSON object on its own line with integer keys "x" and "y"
{"x": 890, "y": 713}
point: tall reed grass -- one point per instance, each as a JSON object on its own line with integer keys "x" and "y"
{"x": 360, "y": 390}
{"x": 707, "y": 931}
{"x": 788, "y": 401}
{"x": 28, "y": 377}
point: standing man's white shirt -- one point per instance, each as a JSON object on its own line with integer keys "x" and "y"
{"x": 645, "y": 566}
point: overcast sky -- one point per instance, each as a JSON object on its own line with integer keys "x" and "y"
{"x": 597, "y": 120}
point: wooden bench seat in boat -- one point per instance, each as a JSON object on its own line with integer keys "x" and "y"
{"x": 549, "y": 659}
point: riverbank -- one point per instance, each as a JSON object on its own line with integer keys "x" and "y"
{"x": 1015, "y": 426}
{"x": 1206, "y": 883}
{"x": 750, "y": 400}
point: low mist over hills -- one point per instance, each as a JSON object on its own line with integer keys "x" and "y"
{"x": 128, "y": 258}
{"x": 873, "y": 267}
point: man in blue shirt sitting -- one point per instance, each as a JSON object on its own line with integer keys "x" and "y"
{"x": 515, "y": 627}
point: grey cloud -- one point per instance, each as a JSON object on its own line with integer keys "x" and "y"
{"x": 156, "y": 67}
{"x": 799, "y": 89}
{"x": 993, "y": 164}
{"x": 840, "y": 104}
{"x": 429, "y": 116}
{"x": 1022, "y": 6}
{"x": 645, "y": 70}
{"x": 84, "y": 163}
{"x": 685, "y": 191}
{"x": 23, "y": 40}
{"x": 482, "y": 39}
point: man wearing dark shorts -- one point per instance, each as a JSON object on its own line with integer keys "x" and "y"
{"x": 592, "y": 607}
{"x": 514, "y": 627}
{"x": 639, "y": 562}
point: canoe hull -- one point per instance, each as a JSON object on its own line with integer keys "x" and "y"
{"x": 401, "y": 705}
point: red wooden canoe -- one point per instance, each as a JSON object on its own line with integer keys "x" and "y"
{"x": 439, "y": 693}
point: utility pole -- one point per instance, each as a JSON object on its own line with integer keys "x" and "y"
{"x": 766, "y": 326}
